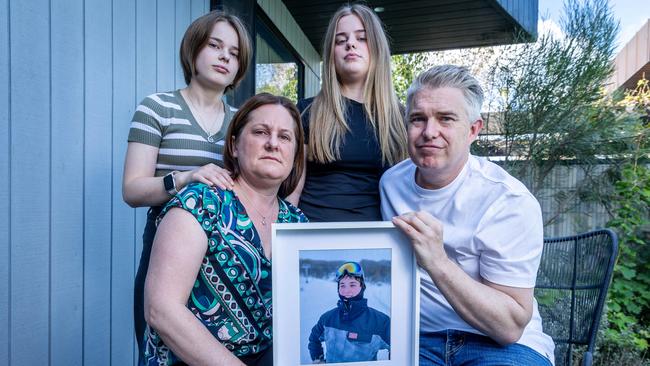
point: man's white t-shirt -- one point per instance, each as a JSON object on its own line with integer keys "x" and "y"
{"x": 492, "y": 228}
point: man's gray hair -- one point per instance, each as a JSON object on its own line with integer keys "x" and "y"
{"x": 450, "y": 76}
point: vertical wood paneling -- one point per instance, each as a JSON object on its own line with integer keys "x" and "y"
{"x": 67, "y": 65}
{"x": 123, "y": 351}
{"x": 97, "y": 182}
{"x": 145, "y": 76}
{"x": 200, "y": 7}
{"x": 165, "y": 36}
{"x": 5, "y": 264}
{"x": 145, "y": 48}
{"x": 67, "y": 257}
{"x": 183, "y": 18}
{"x": 30, "y": 182}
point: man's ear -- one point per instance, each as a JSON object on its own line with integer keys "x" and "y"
{"x": 474, "y": 129}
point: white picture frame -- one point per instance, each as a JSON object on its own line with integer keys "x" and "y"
{"x": 291, "y": 242}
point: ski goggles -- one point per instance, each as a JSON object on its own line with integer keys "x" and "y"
{"x": 349, "y": 268}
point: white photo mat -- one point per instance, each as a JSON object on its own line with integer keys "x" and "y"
{"x": 290, "y": 239}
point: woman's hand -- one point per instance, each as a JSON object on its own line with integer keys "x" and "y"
{"x": 141, "y": 188}
{"x": 210, "y": 174}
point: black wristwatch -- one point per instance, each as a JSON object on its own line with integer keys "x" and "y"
{"x": 170, "y": 183}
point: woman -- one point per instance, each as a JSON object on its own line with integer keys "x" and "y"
{"x": 208, "y": 290}
{"x": 354, "y": 126}
{"x": 177, "y": 137}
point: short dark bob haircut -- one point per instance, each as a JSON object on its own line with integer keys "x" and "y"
{"x": 241, "y": 119}
{"x": 197, "y": 36}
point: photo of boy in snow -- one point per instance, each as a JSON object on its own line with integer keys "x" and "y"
{"x": 352, "y": 331}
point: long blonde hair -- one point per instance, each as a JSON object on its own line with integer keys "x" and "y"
{"x": 327, "y": 121}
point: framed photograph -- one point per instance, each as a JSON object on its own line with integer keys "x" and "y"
{"x": 344, "y": 293}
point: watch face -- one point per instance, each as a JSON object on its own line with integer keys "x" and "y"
{"x": 168, "y": 181}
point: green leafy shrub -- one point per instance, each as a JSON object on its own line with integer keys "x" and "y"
{"x": 629, "y": 296}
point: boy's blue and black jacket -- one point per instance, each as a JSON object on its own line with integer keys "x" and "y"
{"x": 351, "y": 332}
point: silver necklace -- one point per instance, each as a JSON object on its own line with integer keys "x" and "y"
{"x": 255, "y": 208}
{"x": 199, "y": 118}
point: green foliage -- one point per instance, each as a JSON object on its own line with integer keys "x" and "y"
{"x": 405, "y": 68}
{"x": 547, "y": 109}
{"x": 629, "y": 300}
{"x": 550, "y": 89}
{"x": 282, "y": 80}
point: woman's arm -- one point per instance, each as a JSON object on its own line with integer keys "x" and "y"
{"x": 178, "y": 250}
{"x": 141, "y": 188}
{"x": 294, "y": 197}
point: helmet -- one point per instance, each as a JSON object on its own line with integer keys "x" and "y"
{"x": 353, "y": 269}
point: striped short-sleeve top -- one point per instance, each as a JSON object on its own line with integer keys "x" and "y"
{"x": 164, "y": 120}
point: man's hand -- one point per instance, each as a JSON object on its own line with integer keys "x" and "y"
{"x": 425, "y": 234}
{"x": 500, "y": 312}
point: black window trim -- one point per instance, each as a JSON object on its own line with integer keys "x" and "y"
{"x": 275, "y": 32}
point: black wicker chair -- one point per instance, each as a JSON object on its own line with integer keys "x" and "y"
{"x": 572, "y": 282}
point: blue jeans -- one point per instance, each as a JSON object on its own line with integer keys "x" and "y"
{"x": 455, "y": 347}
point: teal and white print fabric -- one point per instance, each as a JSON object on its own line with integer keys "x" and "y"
{"x": 232, "y": 293}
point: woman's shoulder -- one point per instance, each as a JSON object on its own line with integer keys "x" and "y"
{"x": 227, "y": 106}
{"x": 163, "y": 105}
{"x": 228, "y": 110}
{"x": 290, "y": 213}
{"x": 209, "y": 198}
{"x": 304, "y": 103}
{"x": 163, "y": 99}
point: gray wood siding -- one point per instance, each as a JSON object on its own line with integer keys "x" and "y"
{"x": 5, "y": 174}
{"x": 71, "y": 75}
{"x": 67, "y": 161}
{"x": 29, "y": 183}
{"x": 525, "y": 12}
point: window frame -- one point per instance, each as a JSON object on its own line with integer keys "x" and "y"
{"x": 263, "y": 18}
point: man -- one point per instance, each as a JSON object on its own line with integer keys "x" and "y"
{"x": 476, "y": 232}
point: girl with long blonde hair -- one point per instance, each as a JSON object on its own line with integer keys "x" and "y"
{"x": 354, "y": 126}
